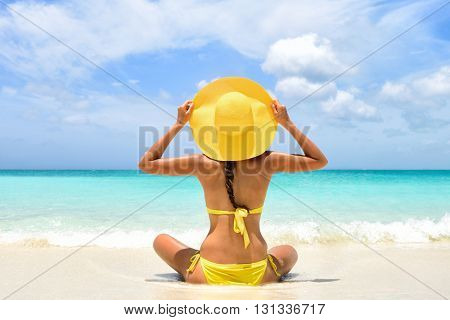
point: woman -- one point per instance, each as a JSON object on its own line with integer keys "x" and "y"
{"x": 234, "y": 251}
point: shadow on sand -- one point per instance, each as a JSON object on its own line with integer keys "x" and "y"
{"x": 290, "y": 277}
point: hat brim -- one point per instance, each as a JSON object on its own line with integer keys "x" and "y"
{"x": 257, "y": 138}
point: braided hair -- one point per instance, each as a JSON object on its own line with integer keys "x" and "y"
{"x": 229, "y": 177}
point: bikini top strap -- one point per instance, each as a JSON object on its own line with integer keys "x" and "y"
{"x": 252, "y": 211}
{"x": 239, "y": 223}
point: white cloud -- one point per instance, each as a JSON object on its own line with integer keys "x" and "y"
{"x": 346, "y": 107}
{"x": 429, "y": 90}
{"x": 397, "y": 91}
{"x": 93, "y": 29}
{"x": 298, "y": 87}
{"x": 164, "y": 95}
{"x": 10, "y": 91}
{"x": 204, "y": 82}
{"x": 435, "y": 84}
{"x": 201, "y": 84}
{"x": 316, "y": 40}
{"x": 133, "y": 81}
{"x": 310, "y": 56}
{"x": 423, "y": 98}
{"x": 76, "y": 119}
{"x": 354, "y": 90}
{"x": 394, "y": 132}
{"x": 118, "y": 112}
{"x": 302, "y": 65}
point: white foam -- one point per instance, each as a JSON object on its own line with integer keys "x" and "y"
{"x": 409, "y": 231}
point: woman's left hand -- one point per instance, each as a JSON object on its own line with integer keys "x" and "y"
{"x": 184, "y": 112}
{"x": 280, "y": 113}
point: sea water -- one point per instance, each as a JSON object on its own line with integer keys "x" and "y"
{"x": 128, "y": 208}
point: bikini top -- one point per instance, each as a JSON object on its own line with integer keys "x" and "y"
{"x": 239, "y": 224}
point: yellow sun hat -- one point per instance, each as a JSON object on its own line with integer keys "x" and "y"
{"x": 233, "y": 119}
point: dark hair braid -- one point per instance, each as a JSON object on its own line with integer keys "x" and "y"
{"x": 229, "y": 177}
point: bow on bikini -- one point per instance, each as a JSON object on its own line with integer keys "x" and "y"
{"x": 239, "y": 224}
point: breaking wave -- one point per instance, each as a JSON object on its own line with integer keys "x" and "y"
{"x": 408, "y": 231}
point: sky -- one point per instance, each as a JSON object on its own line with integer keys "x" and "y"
{"x": 58, "y": 111}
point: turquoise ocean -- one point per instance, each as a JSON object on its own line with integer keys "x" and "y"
{"x": 69, "y": 208}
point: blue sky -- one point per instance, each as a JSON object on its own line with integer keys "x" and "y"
{"x": 59, "y": 112}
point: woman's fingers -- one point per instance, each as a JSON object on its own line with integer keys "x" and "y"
{"x": 190, "y": 108}
{"x": 184, "y": 111}
{"x": 187, "y": 104}
{"x": 274, "y": 107}
{"x": 280, "y": 107}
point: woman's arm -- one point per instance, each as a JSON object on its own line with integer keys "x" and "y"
{"x": 151, "y": 162}
{"x": 313, "y": 159}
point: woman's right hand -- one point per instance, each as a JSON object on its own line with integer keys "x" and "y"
{"x": 280, "y": 113}
{"x": 184, "y": 112}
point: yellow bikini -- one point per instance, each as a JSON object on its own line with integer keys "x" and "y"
{"x": 234, "y": 274}
{"x": 239, "y": 224}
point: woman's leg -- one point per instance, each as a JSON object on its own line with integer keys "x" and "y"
{"x": 177, "y": 255}
{"x": 285, "y": 257}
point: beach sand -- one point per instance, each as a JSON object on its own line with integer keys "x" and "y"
{"x": 340, "y": 271}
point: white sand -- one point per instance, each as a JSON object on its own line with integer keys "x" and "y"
{"x": 323, "y": 272}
